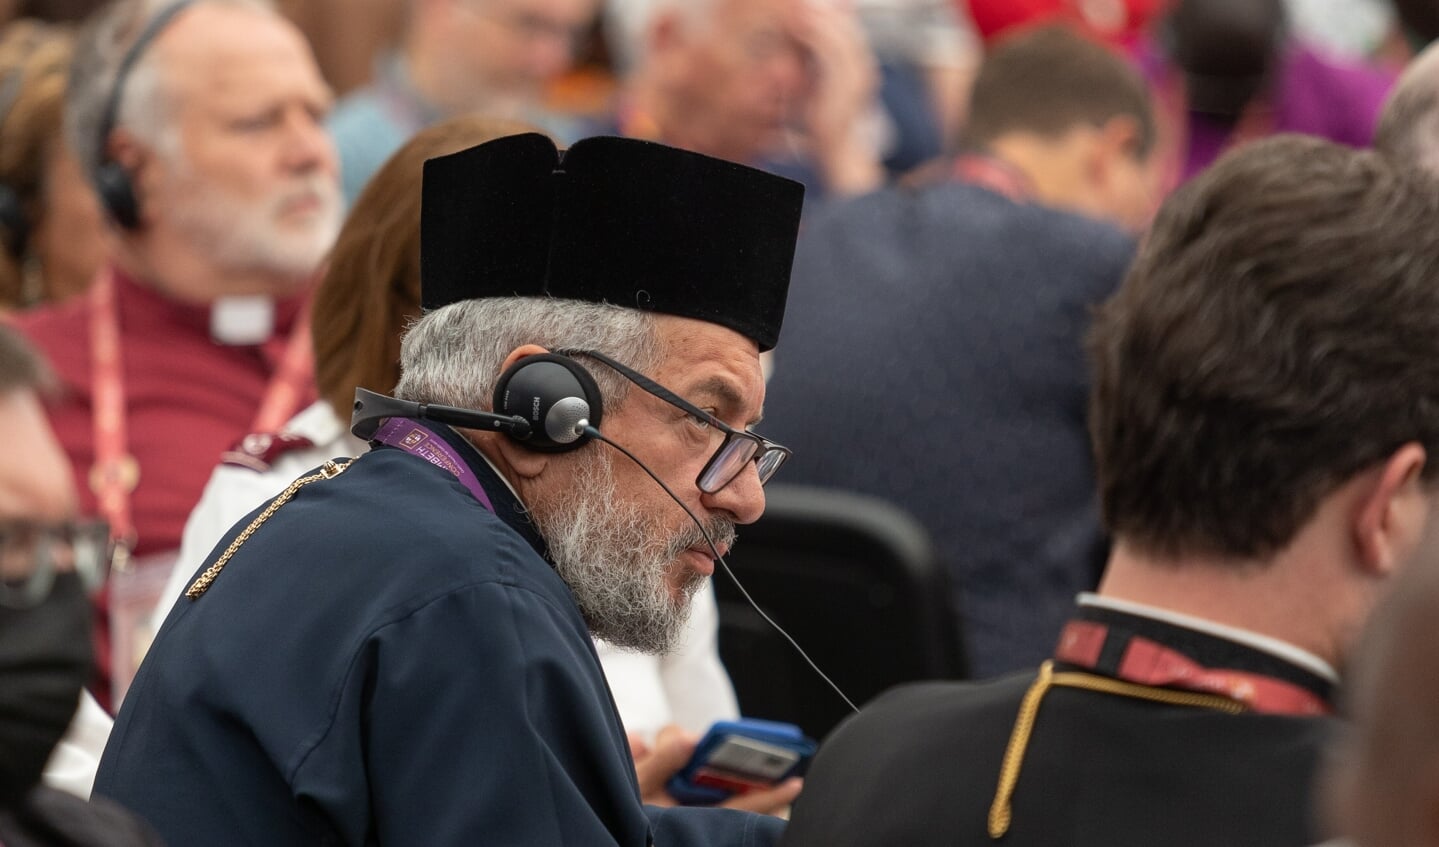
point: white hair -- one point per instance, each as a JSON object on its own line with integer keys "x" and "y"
{"x": 453, "y": 355}
{"x": 143, "y": 107}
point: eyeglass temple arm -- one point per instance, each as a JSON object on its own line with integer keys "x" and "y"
{"x": 650, "y": 386}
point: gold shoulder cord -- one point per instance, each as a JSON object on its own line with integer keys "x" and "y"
{"x": 1000, "y": 813}
{"x": 329, "y": 470}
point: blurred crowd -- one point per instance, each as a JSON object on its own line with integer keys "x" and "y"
{"x": 210, "y": 236}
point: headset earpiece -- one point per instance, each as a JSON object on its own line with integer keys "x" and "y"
{"x": 554, "y": 393}
{"x": 14, "y": 223}
{"x": 112, "y": 182}
{"x": 117, "y": 194}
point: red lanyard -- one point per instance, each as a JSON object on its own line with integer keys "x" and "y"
{"x": 116, "y": 471}
{"x": 1148, "y": 662}
{"x": 995, "y": 174}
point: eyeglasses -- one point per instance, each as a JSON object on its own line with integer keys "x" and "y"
{"x": 32, "y": 553}
{"x": 738, "y": 449}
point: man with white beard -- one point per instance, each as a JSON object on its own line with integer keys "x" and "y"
{"x": 396, "y": 649}
{"x": 201, "y": 125}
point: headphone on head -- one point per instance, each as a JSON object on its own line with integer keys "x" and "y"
{"x": 539, "y": 402}
{"x": 14, "y": 220}
{"x": 14, "y": 223}
{"x": 112, "y": 181}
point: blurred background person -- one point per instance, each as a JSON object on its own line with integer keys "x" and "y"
{"x": 347, "y": 35}
{"x": 787, "y": 85}
{"x": 1119, "y": 23}
{"x": 1231, "y": 71}
{"x": 1264, "y": 414}
{"x": 50, "y": 11}
{"x": 48, "y": 562}
{"x": 222, "y": 188}
{"x": 53, "y": 234}
{"x": 488, "y": 57}
{"x": 953, "y": 309}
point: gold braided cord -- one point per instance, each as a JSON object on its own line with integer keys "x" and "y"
{"x": 1001, "y": 812}
{"x": 330, "y": 470}
{"x": 1108, "y": 685}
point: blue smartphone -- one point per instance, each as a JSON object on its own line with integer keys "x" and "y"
{"x": 736, "y": 757}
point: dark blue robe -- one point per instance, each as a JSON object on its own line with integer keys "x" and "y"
{"x": 385, "y": 661}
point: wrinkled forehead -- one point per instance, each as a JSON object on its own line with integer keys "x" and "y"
{"x": 710, "y": 365}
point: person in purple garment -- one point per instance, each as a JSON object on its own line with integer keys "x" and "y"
{"x": 1228, "y": 71}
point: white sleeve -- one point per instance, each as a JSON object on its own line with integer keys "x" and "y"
{"x": 75, "y": 759}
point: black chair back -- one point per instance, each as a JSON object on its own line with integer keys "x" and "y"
{"x": 854, "y": 580}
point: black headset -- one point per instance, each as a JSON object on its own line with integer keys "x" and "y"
{"x": 540, "y": 402}
{"x": 112, "y": 181}
{"x": 14, "y": 221}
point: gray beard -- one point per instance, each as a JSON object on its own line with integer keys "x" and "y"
{"x": 615, "y": 558}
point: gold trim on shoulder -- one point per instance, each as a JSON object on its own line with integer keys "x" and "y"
{"x": 1000, "y": 812}
{"x": 202, "y": 583}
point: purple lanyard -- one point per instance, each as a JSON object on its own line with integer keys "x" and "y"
{"x": 419, "y": 440}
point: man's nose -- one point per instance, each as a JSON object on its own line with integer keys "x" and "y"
{"x": 743, "y": 497}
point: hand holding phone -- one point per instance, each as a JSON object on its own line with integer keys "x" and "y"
{"x": 736, "y": 757}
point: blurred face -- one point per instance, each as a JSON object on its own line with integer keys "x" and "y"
{"x": 252, "y": 182}
{"x": 35, "y": 480}
{"x": 512, "y": 48}
{"x": 631, "y": 555}
{"x": 44, "y": 611}
{"x": 743, "y": 74}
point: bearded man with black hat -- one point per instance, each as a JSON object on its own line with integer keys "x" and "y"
{"x": 397, "y": 649}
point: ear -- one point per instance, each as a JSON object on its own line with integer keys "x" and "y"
{"x": 1391, "y": 512}
{"x": 1115, "y": 140}
{"x": 139, "y": 162}
{"x": 527, "y": 463}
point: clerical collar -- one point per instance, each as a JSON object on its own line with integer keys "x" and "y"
{"x": 1264, "y": 643}
{"x": 242, "y": 321}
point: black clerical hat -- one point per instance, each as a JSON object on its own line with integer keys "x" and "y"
{"x": 611, "y": 220}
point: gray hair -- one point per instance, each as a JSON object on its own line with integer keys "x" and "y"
{"x": 453, "y": 355}
{"x": 144, "y": 107}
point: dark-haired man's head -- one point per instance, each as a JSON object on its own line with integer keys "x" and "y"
{"x": 1267, "y": 377}
{"x": 1074, "y": 117}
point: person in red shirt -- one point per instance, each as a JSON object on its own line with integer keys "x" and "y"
{"x": 200, "y": 124}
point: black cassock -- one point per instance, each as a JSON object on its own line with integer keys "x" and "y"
{"x": 386, "y": 661}
{"x": 921, "y": 765}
